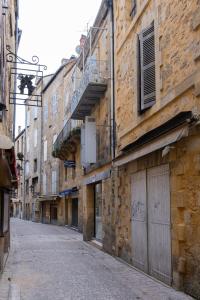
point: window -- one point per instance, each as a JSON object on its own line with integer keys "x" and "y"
{"x": 147, "y": 76}
{"x": 17, "y": 146}
{"x": 54, "y": 182}
{"x": 35, "y": 165}
{"x": 35, "y": 138}
{"x": 54, "y": 104}
{"x": 45, "y": 111}
{"x": 28, "y": 118}
{"x": 133, "y": 8}
{"x": 65, "y": 171}
{"x": 54, "y": 138}
{"x": 66, "y": 99}
{"x": 27, "y": 144}
{"x": 22, "y": 144}
{"x": 44, "y": 182}
{"x": 73, "y": 172}
{"x": 45, "y": 150}
{"x": 27, "y": 168}
{"x": 34, "y": 185}
{"x": 27, "y": 187}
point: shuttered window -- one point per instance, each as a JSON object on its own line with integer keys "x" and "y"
{"x": 147, "y": 68}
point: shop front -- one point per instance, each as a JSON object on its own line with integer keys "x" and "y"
{"x": 50, "y": 209}
{"x": 8, "y": 180}
{"x": 73, "y": 209}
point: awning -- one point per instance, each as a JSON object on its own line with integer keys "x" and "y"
{"x": 5, "y": 174}
{"x": 156, "y": 144}
{"x": 5, "y": 142}
{"x": 48, "y": 198}
{"x": 69, "y": 192}
{"x": 10, "y": 156}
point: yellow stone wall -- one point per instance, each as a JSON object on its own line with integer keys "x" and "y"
{"x": 177, "y": 63}
{"x": 73, "y": 179}
{"x": 177, "y": 38}
{"x": 184, "y": 163}
{"x": 101, "y": 50}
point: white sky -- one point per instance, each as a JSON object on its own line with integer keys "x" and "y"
{"x": 51, "y": 30}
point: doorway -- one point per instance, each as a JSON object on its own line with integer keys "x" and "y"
{"x": 75, "y": 212}
{"x": 54, "y": 214}
{"x": 98, "y": 211}
{"x": 150, "y": 222}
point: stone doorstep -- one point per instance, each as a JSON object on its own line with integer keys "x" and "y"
{"x": 72, "y": 227}
{"x": 151, "y": 277}
{"x": 99, "y": 246}
{"x": 96, "y": 244}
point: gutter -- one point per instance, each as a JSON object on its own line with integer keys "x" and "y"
{"x": 112, "y": 67}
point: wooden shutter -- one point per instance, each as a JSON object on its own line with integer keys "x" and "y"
{"x": 147, "y": 67}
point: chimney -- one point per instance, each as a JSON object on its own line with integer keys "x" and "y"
{"x": 82, "y": 40}
{"x": 64, "y": 61}
{"x": 19, "y": 129}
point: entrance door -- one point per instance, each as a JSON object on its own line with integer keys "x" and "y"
{"x": 98, "y": 211}
{"x": 151, "y": 222}
{"x": 159, "y": 241}
{"x": 139, "y": 221}
{"x": 75, "y": 212}
{"x": 54, "y": 214}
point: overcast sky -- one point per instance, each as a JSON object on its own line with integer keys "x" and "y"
{"x": 51, "y": 30}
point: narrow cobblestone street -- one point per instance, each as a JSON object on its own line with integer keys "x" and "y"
{"x": 49, "y": 262}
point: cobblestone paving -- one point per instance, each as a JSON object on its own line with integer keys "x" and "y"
{"x": 53, "y": 263}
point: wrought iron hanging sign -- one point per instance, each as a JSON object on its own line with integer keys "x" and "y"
{"x": 28, "y": 78}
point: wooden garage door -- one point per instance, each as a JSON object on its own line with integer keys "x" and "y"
{"x": 151, "y": 240}
{"x": 159, "y": 238}
{"x": 139, "y": 221}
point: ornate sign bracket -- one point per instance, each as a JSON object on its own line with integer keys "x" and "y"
{"x": 26, "y": 76}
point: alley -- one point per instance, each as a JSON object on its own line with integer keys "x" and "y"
{"x": 53, "y": 263}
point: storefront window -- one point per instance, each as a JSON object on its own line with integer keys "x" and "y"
{"x": 4, "y": 212}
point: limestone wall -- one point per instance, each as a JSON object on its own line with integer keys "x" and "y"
{"x": 184, "y": 163}
{"x": 177, "y": 63}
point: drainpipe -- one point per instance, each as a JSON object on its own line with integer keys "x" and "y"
{"x": 15, "y": 80}
{"x": 112, "y": 68}
{"x": 24, "y": 172}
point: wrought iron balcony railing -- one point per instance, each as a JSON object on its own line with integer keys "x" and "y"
{"x": 71, "y": 129}
{"x": 92, "y": 84}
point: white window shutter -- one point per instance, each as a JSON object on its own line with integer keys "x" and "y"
{"x": 53, "y": 182}
{"x": 35, "y": 138}
{"x": 28, "y": 118}
{"x": 83, "y": 145}
{"x": 27, "y": 144}
{"x": 147, "y": 61}
{"x": 54, "y": 138}
{"x": 44, "y": 184}
{"x": 90, "y": 140}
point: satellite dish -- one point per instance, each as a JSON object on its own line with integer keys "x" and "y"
{"x": 78, "y": 49}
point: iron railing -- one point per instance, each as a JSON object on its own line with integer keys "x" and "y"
{"x": 96, "y": 72}
{"x": 65, "y": 133}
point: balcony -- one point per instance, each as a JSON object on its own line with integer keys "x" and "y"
{"x": 91, "y": 86}
{"x": 67, "y": 139}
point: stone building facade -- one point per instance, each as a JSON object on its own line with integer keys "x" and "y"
{"x": 8, "y": 175}
{"x": 91, "y": 103}
{"x": 123, "y": 120}
{"x": 156, "y": 169}
{"x": 67, "y": 149}
{"x": 52, "y": 206}
{"x": 33, "y": 156}
{"x": 18, "y": 197}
